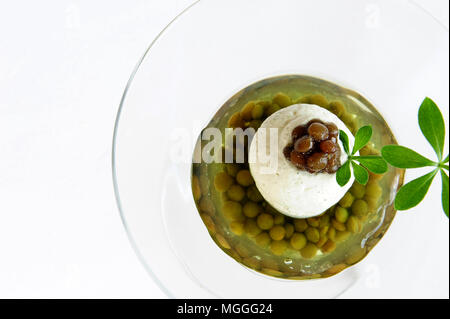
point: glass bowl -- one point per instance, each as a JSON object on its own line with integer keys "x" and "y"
{"x": 391, "y": 52}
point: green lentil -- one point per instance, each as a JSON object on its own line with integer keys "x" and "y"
{"x": 329, "y": 246}
{"x": 312, "y": 234}
{"x": 360, "y": 208}
{"x": 338, "y": 225}
{"x": 358, "y": 190}
{"x": 353, "y": 225}
{"x": 347, "y": 200}
{"x": 341, "y": 214}
{"x": 313, "y": 221}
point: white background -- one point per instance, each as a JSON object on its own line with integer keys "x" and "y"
{"x": 63, "y": 68}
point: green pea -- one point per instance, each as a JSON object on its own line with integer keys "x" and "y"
{"x": 282, "y": 100}
{"x": 309, "y": 251}
{"x": 258, "y": 111}
{"x": 246, "y": 112}
{"x": 251, "y": 228}
{"x": 341, "y": 214}
{"x": 298, "y": 241}
{"x": 278, "y": 247}
{"x": 277, "y": 232}
{"x": 233, "y": 211}
{"x": 304, "y": 100}
{"x": 263, "y": 239}
{"x": 236, "y": 193}
{"x": 252, "y": 209}
{"x": 347, "y": 200}
{"x": 312, "y": 234}
{"x": 300, "y": 225}
{"x": 289, "y": 228}
{"x": 272, "y": 109}
{"x": 232, "y": 169}
{"x": 360, "y": 208}
{"x": 254, "y": 194}
{"x": 196, "y": 190}
{"x": 278, "y": 219}
{"x": 265, "y": 221}
{"x": 337, "y": 108}
{"x": 358, "y": 190}
{"x": 222, "y": 181}
{"x": 236, "y": 121}
{"x": 237, "y": 228}
{"x": 255, "y": 124}
{"x": 244, "y": 178}
{"x": 319, "y": 100}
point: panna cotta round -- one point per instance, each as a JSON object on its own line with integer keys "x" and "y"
{"x": 294, "y": 192}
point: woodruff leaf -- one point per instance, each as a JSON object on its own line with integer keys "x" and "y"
{"x": 444, "y": 191}
{"x": 362, "y": 137}
{"x": 343, "y": 174}
{"x": 361, "y": 174}
{"x": 446, "y": 159}
{"x": 403, "y": 157}
{"x": 432, "y": 124}
{"x": 345, "y": 141}
{"x": 411, "y": 194}
{"x": 375, "y": 164}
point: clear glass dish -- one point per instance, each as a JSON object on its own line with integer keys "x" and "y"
{"x": 392, "y": 52}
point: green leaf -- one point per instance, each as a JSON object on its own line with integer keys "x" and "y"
{"x": 403, "y": 157}
{"x": 411, "y": 194}
{"x": 446, "y": 160}
{"x": 375, "y": 164}
{"x": 345, "y": 141}
{"x": 432, "y": 124}
{"x": 361, "y": 175}
{"x": 444, "y": 191}
{"x": 343, "y": 174}
{"x": 362, "y": 137}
